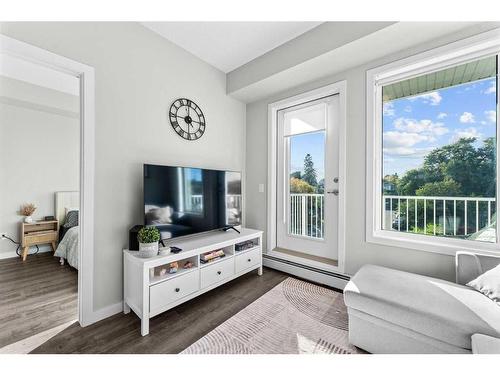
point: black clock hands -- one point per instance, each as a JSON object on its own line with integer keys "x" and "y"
{"x": 187, "y": 128}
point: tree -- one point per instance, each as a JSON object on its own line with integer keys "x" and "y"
{"x": 298, "y": 186}
{"x": 446, "y": 188}
{"x": 296, "y": 174}
{"x": 310, "y": 174}
{"x": 460, "y": 166}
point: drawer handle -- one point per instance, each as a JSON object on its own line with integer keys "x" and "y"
{"x": 249, "y": 260}
{"x": 177, "y": 289}
{"x": 219, "y": 272}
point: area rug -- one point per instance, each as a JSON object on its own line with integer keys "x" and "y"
{"x": 295, "y": 317}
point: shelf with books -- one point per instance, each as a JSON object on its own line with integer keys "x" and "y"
{"x": 214, "y": 256}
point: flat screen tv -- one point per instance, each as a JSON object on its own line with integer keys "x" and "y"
{"x": 182, "y": 201}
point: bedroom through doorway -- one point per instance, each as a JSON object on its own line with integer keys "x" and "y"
{"x": 40, "y": 165}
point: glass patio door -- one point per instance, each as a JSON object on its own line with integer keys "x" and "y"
{"x": 307, "y": 186}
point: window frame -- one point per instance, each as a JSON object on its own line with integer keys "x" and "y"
{"x": 456, "y": 53}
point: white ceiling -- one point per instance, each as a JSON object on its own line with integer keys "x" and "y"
{"x": 228, "y": 45}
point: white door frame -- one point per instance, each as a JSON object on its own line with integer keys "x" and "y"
{"x": 339, "y": 88}
{"x": 85, "y": 74}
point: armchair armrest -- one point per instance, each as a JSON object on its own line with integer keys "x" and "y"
{"x": 469, "y": 265}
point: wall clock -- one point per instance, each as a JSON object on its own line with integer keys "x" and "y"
{"x": 187, "y": 119}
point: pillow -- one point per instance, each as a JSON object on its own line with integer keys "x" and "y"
{"x": 69, "y": 209}
{"x": 71, "y": 219}
{"x": 488, "y": 283}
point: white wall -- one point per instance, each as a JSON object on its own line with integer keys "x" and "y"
{"x": 358, "y": 251}
{"x": 39, "y": 152}
{"x": 138, "y": 75}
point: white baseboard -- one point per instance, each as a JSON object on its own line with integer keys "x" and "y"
{"x": 104, "y": 313}
{"x": 12, "y": 253}
{"x": 325, "y": 278}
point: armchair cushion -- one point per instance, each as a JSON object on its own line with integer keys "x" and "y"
{"x": 488, "y": 283}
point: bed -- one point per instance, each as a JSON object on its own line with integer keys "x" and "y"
{"x": 67, "y": 209}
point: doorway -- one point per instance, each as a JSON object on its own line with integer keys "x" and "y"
{"x": 306, "y": 185}
{"x": 48, "y": 106}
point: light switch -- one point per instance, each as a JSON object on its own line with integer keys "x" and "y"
{"x": 261, "y": 188}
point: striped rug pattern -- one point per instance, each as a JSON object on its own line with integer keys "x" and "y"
{"x": 295, "y": 317}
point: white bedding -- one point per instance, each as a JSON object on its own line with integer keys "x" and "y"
{"x": 68, "y": 247}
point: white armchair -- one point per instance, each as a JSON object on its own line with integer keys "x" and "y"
{"x": 392, "y": 311}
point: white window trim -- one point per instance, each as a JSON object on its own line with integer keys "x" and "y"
{"x": 339, "y": 88}
{"x": 481, "y": 45}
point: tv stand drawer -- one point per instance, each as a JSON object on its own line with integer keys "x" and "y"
{"x": 247, "y": 260}
{"x": 217, "y": 272}
{"x": 169, "y": 291}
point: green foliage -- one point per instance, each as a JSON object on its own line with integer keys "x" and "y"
{"x": 429, "y": 229}
{"x": 298, "y": 186}
{"x": 310, "y": 174}
{"x": 461, "y": 167}
{"x": 296, "y": 174}
{"x": 445, "y": 188}
{"x": 148, "y": 235}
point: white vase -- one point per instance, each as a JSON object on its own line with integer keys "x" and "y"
{"x": 148, "y": 250}
{"x": 28, "y": 219}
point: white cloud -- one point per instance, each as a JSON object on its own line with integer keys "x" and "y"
{"x": 467, "y": 133}
{"x": 412, "y": 152}
{"x": 492, "y": 89}
{"x": 425, "y": 127}
{"x": 467, "y": 118}
{"x": 442, "y": 115}
{"x": 389, "y": 109}
{"x": 402, "y": 139}
{"x": 432, "y": 98}
{"x": 491, "y": 116}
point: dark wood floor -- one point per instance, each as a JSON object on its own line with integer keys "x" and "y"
{"x": 170, "y": 332}
{"x": 35, "y": 295}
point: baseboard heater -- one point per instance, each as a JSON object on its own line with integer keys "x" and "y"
{"x": 333, "y": 279}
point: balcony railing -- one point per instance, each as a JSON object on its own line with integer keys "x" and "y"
{"x": 438, "y": 216}
{"x": 307, "y": 215}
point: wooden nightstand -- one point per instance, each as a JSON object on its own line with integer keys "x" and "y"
{"x": 39, "y": 233}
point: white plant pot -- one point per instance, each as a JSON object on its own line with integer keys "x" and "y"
{"x": 28, "y": 219}
{"x": 148, "y": 250}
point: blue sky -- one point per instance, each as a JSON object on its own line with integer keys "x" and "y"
{"x": 310, "y": 143}
{"x": 414, "y": 126}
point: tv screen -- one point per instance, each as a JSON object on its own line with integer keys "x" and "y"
{"x": 181, "y": 201}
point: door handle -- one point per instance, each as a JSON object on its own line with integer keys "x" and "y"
{"x": 334, "y": 191}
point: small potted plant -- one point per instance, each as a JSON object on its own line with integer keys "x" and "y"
{"x": 27, "y": 210}
{"x": 148, "y": 238}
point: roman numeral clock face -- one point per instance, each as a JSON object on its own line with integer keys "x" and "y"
{"x": 187, "y": 119}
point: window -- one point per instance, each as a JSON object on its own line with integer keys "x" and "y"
{"x": 433, "y": 150}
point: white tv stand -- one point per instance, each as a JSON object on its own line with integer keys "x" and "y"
{"x": 148, "y": 293}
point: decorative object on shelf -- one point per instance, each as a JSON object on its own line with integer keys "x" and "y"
{"x": 148, "y": 238}
{"x": 244, "y": 245}
{"x": 164, "y": 251}
{"x": 212, "y": 256}
{"x": 27, "y": 210}
{"x": 173, "y": 267}
{"x": 187, "y": 119}
{"x": 188, "y": 265}
{"x": 49, "y": 218}
{"x": 163, "y": 271}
